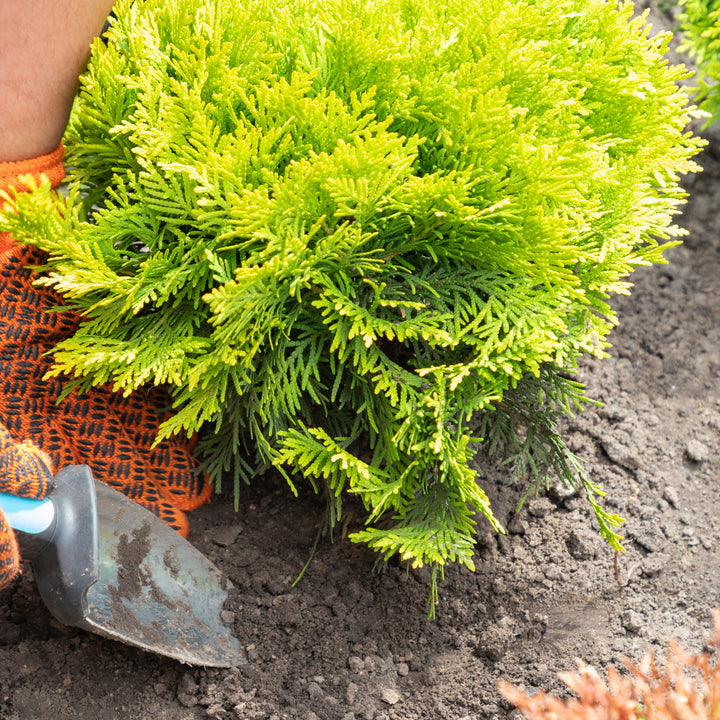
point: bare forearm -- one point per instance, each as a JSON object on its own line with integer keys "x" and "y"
{"x": 43, "y": 48}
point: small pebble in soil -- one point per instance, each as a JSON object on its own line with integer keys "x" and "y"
{"x": 390, "y": 695}
{"x": 225, "y": 535}
{"x": 492, "y": 644}
{"x": 631, "y": 621}
{"x": 696, "y": 451}
{"x": 654, "y": 564}
{"x": 671, "y": 495}
{"x": 582, "y": 544}
{"x": 560, "y": 492}
{"x": 517, "y": 526}
{"x": 351, "y": 693}
{"x": 187, "y": 690}
{"x": 540, "y": 507}
{"x": 649, "y": 536}
{"x": 553, "y": 572}
{"x": 314, "y": 690}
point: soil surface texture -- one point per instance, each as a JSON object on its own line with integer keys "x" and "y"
{"x": 350, "y": 643}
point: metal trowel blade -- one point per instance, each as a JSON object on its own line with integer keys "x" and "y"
{"x": 155, "y": 590}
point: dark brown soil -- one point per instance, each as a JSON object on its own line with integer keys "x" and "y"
{"x": 348, "y": 642}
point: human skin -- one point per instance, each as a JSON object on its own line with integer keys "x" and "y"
{"x": 44, "y": 45}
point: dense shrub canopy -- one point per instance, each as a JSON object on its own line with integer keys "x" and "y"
{"x": 356, "y": 238}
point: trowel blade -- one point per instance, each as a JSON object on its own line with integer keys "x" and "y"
{"x": 155, "y": 590}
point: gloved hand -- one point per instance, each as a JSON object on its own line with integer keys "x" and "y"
{"x": 102, "y": 429}
{"x": 25, "y": 472}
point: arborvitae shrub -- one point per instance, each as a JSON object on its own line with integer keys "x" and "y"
{"x": 360, "y": 240}
{"x": 700, "y": 24}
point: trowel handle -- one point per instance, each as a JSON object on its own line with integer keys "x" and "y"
{"x": 59, "y": 537}
{"x": 39, "y": 524}
{"x": 26, "y": 515}
{"x": 34, "y": 522}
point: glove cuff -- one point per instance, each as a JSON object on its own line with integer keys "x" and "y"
{"x": 13, "y": 176}
{"x": 9, "y": 555}
{"x": 50, "y": 165}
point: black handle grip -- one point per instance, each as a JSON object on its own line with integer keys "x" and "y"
{"x": 65, "y": 555}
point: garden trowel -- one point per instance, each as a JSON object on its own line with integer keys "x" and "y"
{"x": 105, "y": 564}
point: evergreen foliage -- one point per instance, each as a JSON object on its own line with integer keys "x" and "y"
{"x": 700, "y": 23}
{"x": 360, "y": 240}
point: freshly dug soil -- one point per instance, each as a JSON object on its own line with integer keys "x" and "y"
{"x": 350, "y": 642}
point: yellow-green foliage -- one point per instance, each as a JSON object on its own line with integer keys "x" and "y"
{"x": 700, "y": 23}
{"x": 357, "y": 237}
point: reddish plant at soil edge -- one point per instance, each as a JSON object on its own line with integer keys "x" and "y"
{"x": 684, "y": 687}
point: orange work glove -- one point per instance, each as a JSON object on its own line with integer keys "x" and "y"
{"x": 102, "y": 429}
{"x": 24, "y": 472}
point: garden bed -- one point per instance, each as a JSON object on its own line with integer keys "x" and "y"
{"x": 349, "y": 642}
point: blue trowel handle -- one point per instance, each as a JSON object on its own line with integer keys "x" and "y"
{"x": 28, "y": 516}
{"x": 63, "y": 521}
{"x": 59, "y": 536}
